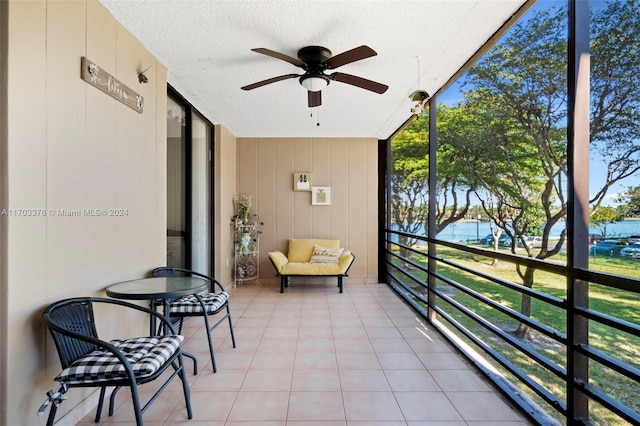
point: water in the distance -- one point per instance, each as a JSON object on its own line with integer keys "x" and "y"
{"x": 471, "y": 231}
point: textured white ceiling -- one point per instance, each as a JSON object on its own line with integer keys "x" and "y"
{"x": 206, "y": 48}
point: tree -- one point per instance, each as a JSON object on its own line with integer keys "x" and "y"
{"x": 519, "y": 87}
{"x": 604, "y": 216}
{"x": 631, "y": 201}
{"x": 455, "y": 158}
{"x": 410, "y": 172}
{"x": 506, "y": 141}
{"x": 408, "y": 182}
{"x": 615, "y": 85}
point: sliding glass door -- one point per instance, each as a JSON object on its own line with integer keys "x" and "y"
{"x": 201, "y": 208}
{"x": 189, "y": 187}
{"x": 176, "y": 184}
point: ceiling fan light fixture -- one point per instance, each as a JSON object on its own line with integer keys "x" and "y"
{"x": 314, "y": 83}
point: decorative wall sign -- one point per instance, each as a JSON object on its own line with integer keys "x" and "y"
{"x": 321, "y": 196}
{"x": 302, "y": 181}
{"x": 110, "y": 85}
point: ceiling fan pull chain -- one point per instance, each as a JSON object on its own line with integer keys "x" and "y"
{"x": 317, "y": 116}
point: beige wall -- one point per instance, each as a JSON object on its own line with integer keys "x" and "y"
{"x": 225, "y": 169}
{"x": 348, "y": 165}
{"x": 70, "y": 146}
{"x": 4, "y": 19}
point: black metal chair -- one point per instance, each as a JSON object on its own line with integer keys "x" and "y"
{"x": 199, "y": 305}
{"x": 88, "y": 361}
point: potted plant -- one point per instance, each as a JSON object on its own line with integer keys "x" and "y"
{"x": 246, "y": 225}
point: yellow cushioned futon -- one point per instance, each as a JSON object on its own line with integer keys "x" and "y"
{"x": 312, "y": 257}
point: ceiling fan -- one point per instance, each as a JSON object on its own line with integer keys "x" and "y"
{"x": 315, "y": 60}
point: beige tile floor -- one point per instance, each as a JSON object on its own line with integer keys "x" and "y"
{"x": 315, "y": 357}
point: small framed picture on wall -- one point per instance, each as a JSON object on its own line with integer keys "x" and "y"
{"x": 302, "y": 181}
{"x": 321, "y": 196}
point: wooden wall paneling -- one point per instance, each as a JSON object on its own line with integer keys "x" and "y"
{"x": 341, "y": 215}
{"x": 321, "y": 215}
{"x": 155, "y": 244}
{"x": 27, "y": 161}
{"x": 284, "y": 223}
{"x": 302, "y": 162}
{"x": 248, "y": 167}
{"x": 101, "y": 141}
{"x": 127, "y": 182}
{"x": 226, "y": 179}
{"x": 265, "y": 206}
{"x": 358, "y": 195}
{"x": 26, "y": 240}
{"x": 66, "y": 148}
{"x": 101, "y": 38}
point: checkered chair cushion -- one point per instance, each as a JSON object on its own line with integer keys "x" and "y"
{"x": 145, "y": 354}
{"x": 191, "y": 305}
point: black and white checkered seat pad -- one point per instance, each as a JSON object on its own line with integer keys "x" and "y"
{"x": 190, "y": 304}
{"x": 145, "y": 354}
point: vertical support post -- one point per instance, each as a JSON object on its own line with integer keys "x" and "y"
{"x": 431, "y": 226}
{"x": 578, "y": 206}
{"x": 384, "y": 210}
{"x": 188, "y": 188}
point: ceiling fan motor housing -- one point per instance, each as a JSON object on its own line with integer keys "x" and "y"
{"x": 314, "y": 56}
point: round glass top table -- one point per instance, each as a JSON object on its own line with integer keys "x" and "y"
{"x": 157, "y": 288}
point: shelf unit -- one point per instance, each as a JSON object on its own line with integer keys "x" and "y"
{"x": 246, "y": 240}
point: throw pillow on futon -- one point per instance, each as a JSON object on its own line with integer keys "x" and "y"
{"x": 325, "y": 254}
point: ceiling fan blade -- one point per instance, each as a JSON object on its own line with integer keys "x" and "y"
{"x": 349, "y": 56}
{"x": 295, "y": 61}
{"x": 269, "y": 81}
{"x": 315, "y": 98}
{"x": 359, "y": 82}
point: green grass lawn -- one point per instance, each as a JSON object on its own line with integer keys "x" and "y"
{"x": 610, "y": 301}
